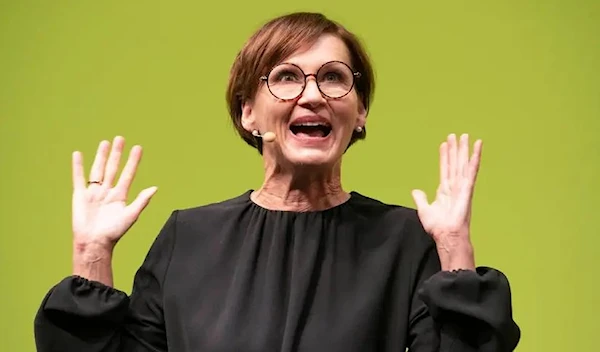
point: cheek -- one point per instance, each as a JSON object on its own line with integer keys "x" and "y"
{"x": 269, "y": 110}
{"x": 346, "y": 111}
{"x": 280, "y": 111}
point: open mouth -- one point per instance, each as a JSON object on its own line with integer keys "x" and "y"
{"x": 311, "y": 129}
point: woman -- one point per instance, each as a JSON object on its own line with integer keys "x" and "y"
{"x": 298, "y": 264}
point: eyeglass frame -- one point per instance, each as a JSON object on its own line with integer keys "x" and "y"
{"x": 355, "y": 76}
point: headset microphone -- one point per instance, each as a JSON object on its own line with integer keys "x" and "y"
{"x": 267, "y": 136}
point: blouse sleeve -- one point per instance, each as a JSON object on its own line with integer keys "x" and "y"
{"x": 462, "y": 311}
{"x": 80, "y": 315}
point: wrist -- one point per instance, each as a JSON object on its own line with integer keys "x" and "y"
{"x": 93, "y": 262}
{"x": 92, "y": 252}
{"x": 457, "y": 256}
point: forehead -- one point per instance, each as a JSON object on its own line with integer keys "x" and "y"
{"x": 327, "y": 48}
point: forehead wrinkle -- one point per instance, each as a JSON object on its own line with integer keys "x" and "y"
{"x": 311, "y": 59}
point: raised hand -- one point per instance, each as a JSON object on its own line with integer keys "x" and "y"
{"x": 447, "y": 219}
{"x": 101, "y": 215}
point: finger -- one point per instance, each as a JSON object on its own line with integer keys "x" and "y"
{"x": 420, "y": 199}
{"x": 444, "y": 169}
{"x": 128, "y": 173}
{"x": 140, "y": 202}
{"x": 77, "y": 169}
{"x": 97, "y": 171}
{"x": 452, "y": 156}
{"x": 463, "y": 156}
{"x": 112, "y": 166}
{"x": 475, "y": 160}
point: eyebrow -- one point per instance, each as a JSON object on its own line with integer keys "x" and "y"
{"x": 318, "y": 67}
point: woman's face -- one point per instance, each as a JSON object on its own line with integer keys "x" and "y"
{"x": 311, "y": 129}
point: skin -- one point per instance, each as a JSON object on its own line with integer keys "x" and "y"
{"x": 299, "y": 176}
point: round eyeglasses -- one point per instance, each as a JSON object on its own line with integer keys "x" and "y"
{"x": 334, "y": 79}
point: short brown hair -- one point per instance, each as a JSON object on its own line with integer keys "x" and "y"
{"x": 278, "y": 39}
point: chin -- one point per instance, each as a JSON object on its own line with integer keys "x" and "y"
{"x": 311, "y": 151}
{"x": 311, "y": 157}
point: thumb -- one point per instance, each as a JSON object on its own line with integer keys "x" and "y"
{"x": 420, "y": 198}
{"x": 140, "y": 203}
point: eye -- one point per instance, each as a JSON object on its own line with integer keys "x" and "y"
{"x": 331, "y": 77}
{"x": 286, "y": 76}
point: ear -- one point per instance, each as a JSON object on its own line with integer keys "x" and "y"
{"x": 247, "y": 117}
{"x": 361, "y": 119}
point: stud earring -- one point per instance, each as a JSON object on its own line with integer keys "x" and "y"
{"x": 359, "y": 129}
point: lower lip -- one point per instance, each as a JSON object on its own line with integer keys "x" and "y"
{"x": 307, "y": 140}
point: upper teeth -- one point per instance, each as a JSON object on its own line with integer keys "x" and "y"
{"x": 310, "y": 124}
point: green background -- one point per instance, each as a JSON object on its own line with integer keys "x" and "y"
{"x": 522, "y": 75}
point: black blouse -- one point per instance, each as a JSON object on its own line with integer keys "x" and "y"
{"x": 233, "y": 276}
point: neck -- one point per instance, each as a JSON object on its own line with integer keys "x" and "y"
{"x": 309, "y": 189}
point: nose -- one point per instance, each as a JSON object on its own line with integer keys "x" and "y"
{"x": 311, "y": 95}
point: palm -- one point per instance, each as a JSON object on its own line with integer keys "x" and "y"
{"x": 100, "y": 211}
{"x": 99, "y": 219}
{"x": 449, "y": 215}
